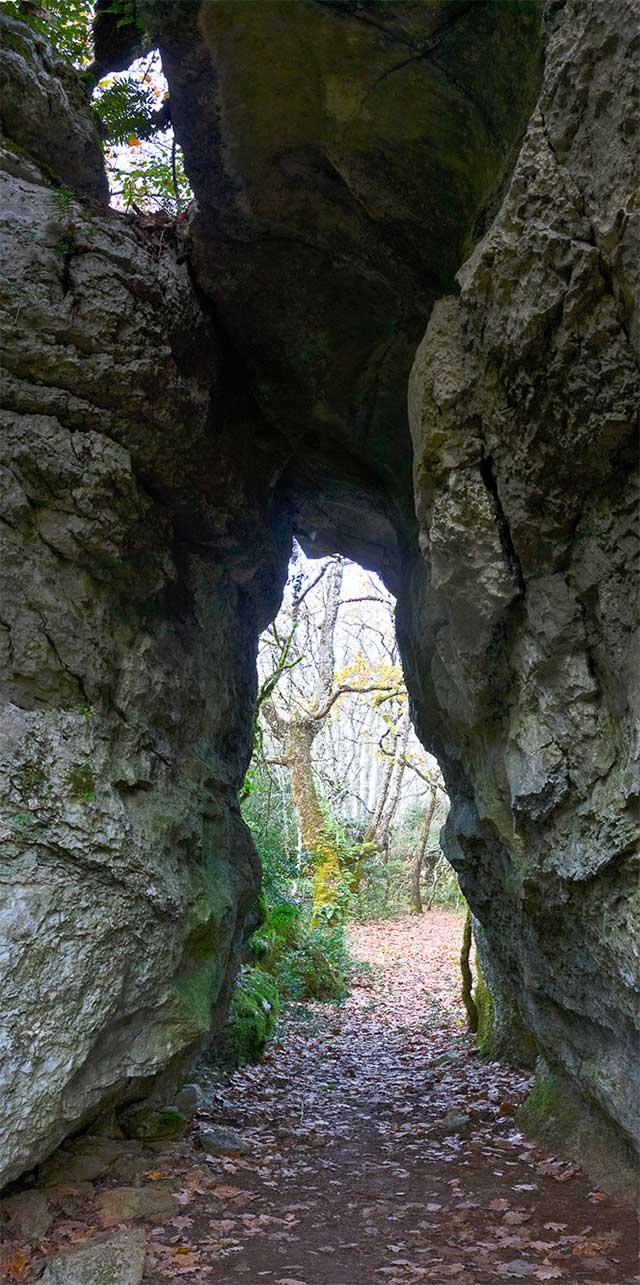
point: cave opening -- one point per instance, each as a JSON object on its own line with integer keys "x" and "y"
{"x": 336, "y": 759}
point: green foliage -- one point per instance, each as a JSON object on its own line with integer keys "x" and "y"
{"x": 307, "y": 963}
{"x": 270, "y": 818}
{"x": 384, "y": 891}
{"x": 126, "y": 13}
{"x": 124, "y": 108}
{"x": 157, "y": 181}
{"x": 63, "y": 201}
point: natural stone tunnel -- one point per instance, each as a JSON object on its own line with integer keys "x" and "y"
{"x": 178, "y": 403}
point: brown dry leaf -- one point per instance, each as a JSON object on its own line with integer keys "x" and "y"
{"x": 515, "y": 1218}
{"x": 15, "y": 1264}
{"x": 548, "y": 1273}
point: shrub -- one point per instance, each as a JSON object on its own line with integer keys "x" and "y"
{"x": 306, "y": 963}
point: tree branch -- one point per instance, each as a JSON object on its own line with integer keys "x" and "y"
{"x": 341, "y": 690}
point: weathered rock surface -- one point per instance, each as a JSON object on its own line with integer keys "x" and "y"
{"x": 28, "y": 1214}
{"x": 130, "y": 603}
{"x": 146, "y": 1121}
{"x": 161, "y": 443}
{"x": 154, "y": 1201}
{"x": 524, "y": 398}
{"x": 219, "y": 1141}
{"x": 341, "y": 156}
{"x": 45, "y": 111}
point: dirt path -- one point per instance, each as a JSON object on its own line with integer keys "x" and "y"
{"x": 381, "y": 1150}
{"x": 360, "y": 1171}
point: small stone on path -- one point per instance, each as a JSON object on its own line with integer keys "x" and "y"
{"x": 219, "y": 1141}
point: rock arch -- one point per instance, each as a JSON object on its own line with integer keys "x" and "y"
{"x": 177, "y": 404}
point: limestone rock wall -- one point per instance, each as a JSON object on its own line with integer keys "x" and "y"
{"x": 129, "y": 609}
{"x": 523, "y": 405}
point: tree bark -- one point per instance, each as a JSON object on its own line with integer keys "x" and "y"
{"x": 416, "y": 869}
{"x": 317, "y": 838}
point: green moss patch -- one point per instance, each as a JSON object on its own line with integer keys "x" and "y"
{"x": 152, "y": 1123}
{"x": 252, "y": 1018}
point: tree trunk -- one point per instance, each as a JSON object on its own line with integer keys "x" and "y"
{"x": 317, "y": 839}
{"x": 416, "y": 898}
{"x": 416, "y": 869}
{"x": 326, "y": 646}
{"x": 383, "y": 790}
{"x": 395, "y": 785}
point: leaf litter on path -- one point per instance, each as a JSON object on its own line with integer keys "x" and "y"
{"x": 381, "y": 1149}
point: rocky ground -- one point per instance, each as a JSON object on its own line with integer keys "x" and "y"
{"x": 371, "y": 1145}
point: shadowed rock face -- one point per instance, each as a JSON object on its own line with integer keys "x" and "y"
{"x": 167, "y": 428}
{"x": 341, "y": 154}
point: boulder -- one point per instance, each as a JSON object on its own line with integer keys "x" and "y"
{"x": 28, "y": 1213}
{"x": 105, "y": 1260}
{"x": 189, "y": 1100}
{"x": 149, "y": 1122}
{"x": 121, "y": 1203}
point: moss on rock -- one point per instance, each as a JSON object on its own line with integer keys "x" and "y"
{"x": 252, "y": 1018}
{"x": 558, "y": 1115}
{"x": 502, "y": 1034}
